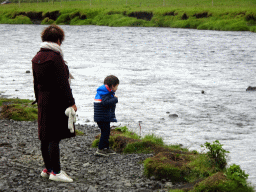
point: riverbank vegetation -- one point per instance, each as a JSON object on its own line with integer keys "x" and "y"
{"x": 225, "y": 15}
{"x": 18, "y": 109}
{"x": 196, "y": 172}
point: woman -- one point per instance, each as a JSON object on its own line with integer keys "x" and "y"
{"x": 53, "y": 96}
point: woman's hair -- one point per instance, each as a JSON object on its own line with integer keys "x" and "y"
{"x": 53, "y": 33}
{"x": 111, "y": 80}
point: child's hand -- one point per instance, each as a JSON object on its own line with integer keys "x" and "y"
{"x": 115, "y": 96}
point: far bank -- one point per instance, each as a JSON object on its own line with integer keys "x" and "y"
{"x": 203, "y": 17}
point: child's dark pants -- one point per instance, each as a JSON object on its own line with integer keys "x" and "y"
{"x": 51, "y": 155}
{"x": 105, "y": 132}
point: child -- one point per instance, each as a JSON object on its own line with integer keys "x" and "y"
{"x": 104, "y": 112}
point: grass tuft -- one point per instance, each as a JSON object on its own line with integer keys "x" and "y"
{"x": 18, "y": 109}
{"x": 79, "y": 133}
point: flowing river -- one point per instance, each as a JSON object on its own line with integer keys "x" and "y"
{"x": 162, "y": 71}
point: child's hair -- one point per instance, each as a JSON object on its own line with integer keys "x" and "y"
{"x": 111, "y": 80}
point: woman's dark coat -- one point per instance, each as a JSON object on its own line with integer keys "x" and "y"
{"x": 53, "y": 95}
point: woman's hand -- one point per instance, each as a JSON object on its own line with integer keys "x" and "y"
{"x": 74, "y": 107}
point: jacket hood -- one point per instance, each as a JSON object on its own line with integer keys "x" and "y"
{"x": 103, "y": 90}
{"x": 44, "y": 55}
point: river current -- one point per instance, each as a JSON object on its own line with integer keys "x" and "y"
{"x": 162, "y": 71}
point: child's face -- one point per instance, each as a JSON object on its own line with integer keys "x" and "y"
{"x": 114, "y": 88}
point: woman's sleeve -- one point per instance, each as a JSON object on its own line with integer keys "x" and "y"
{"x": 62, "y": 75}
{"x": 35, "y": 85}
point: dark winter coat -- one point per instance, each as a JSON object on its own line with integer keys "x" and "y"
{"x": 53, "y": 95}
{"x": 104, "y": 105}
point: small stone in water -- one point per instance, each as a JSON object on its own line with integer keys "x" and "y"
{"x": 173, "y": 115}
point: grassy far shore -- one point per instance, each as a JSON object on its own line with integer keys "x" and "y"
{"x": 224, "y": 15}
{"x": 196, "y": 171}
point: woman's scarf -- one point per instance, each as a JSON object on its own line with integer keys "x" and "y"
{"x": 55, "y": 47}
{"x": 52, "y": 46}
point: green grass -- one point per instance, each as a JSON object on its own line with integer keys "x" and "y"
{"x": 225, "y": 15}
{"x": 127, "y": 133}
{"x": 18, "y": 109}
{"x": 230, "y": 4}
{"x": 79, "y": 133}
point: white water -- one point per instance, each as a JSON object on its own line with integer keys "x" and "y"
{"x": 161, "y": 70}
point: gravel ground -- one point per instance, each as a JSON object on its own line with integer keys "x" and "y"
{"x": 21, "y": 164}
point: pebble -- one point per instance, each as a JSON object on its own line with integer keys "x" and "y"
{"x": 21, "y": 164}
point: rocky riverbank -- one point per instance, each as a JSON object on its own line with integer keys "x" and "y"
{"x": 21, "y": 163}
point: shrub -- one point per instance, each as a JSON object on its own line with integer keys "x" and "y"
{"x": 200, "y": 167}
{"x": 217, "y": 153}
{"x": 233, "y": 180}
{"x": 234, "y": 172}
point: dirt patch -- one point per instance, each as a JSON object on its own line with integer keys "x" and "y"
{"x": 250, "y": 17}
{"x": 35, "y": 15}
{"x": 201, "y": 15}
{"x": 172, "y": 13}
{"x": 142, "y": 15}
{"x": 52, "y": 15}
{"x": 184, "y": 16}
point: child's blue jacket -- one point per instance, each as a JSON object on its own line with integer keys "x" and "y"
{"x": 104, "y": 105}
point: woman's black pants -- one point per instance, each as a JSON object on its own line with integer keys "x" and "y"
{"x": 51, "y": 155}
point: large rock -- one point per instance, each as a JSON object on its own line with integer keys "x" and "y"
{"x": 251, "y": 88}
